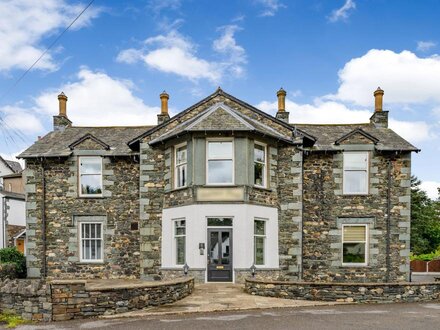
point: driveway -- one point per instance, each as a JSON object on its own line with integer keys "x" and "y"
{"x": 341, "y": 317}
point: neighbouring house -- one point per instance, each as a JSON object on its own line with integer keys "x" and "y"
{"x": 12, "y": 208}
{"x": 224, "y": 189}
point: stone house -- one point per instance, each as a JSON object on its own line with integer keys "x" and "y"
{"x": 224, "y": 189}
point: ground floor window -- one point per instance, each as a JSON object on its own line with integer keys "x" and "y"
{"x": 91, "y": 242}
{"x": 259, "y": 241}
{"x": 179, "y": 237}
{"x": 354, "y": 244}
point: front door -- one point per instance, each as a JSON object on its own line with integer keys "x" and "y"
{"x": 219, "y": 255}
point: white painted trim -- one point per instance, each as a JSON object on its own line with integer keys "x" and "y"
{"x": 92, "y": 261}
{"x": 207, "y": 161}
{"x": 80, "y": 194}
{"x": 367, "y": 245}
{"x": 367, "y": 185}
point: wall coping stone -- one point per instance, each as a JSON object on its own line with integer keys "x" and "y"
{"x": 358, "y": 284}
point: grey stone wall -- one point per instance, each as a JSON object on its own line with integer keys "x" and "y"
{"x": 326, "y": 209}
{"x": 117, "y": 210}
{"x": 345, "y": 292}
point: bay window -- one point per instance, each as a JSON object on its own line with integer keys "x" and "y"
{"x": 180, "y": 238}
{"x": 260, "y": 165}
{"x": 259, "y": 241}
{"x": 180, "y": 169}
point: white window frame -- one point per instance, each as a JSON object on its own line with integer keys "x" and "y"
{"x": 80, "y": 177}
{"x": 208, "y": 159}
{"x": 264, "y": 185}
{"x": 176, "y": 166}
{"x": 367, "y": 246}
{"x": 367, "y": 184}
{"x": 264, "y": 241}
{"x": 175, "y": 236}
{"x": 81, "y": 238}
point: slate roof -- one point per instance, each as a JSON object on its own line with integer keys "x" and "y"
{"x": 13, "y": 165}
{"x": 327, "y": 135}
{"x": 56, "y": 143}
{"x": 221, "y": 117}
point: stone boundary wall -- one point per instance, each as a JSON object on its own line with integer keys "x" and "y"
{"x": 57, "y": 300}
{"x": 28, "y": 298}
{"x": 345, "y": 292}
{"x": 73, "y": 299}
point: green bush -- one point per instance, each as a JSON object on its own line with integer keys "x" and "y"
{"x": 426, "y": 256}
{"x": 11, "y": 255}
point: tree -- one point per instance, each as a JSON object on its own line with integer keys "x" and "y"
{"x": 425, "y": 220}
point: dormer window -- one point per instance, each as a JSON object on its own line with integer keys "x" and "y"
{"x": 260, "y": 165}
{"x": 220, "y": 167}
{"x": 355, "y": 180}
{"x": 180, "y": 166}
{"x": 90, "y": 176}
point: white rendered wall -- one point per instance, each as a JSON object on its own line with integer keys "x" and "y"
{"x": 16, "y": 216}
{"x": 242, "y": 233}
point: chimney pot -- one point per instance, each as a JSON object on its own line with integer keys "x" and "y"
{"x": 164, "y": 97}
{"x": 62, "y": 100}
{"x": 281, "y": 94}
{"x": 378, "y": 99}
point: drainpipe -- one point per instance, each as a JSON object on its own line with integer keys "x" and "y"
{"x": 301, "y": 226}
{"x": 3, "y": 223}
{"x": 388, "y": 235}
{"x": 43, "y": 219}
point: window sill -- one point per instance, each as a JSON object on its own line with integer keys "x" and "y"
{"x": 262, "y": 188}
{"x": 99, "y": 262}
{"x": 177, "y": 189}
{"x": 354, "y": 194}
{"x": 91, "y": 197}
{"x": 355, "y": 265}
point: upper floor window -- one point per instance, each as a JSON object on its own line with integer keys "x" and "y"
{"x": 220, "y": 169}
{"x": 354, "y": 245}
{"x": 355, "y": 180}
{"x": 180, "y": 166}
{"x": 90, "y": 176}
{"x": 260, "y": 165}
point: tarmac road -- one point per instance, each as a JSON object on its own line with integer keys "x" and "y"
{"x": 373, "y": 316}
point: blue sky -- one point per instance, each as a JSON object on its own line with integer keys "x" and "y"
{"x": 329, "y": 55}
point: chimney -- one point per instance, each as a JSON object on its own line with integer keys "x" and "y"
{"x": 164, "y": 115}
{"x": 379, "y": 117}
{"x": 282, "y": 114}
{"x": 60, "y": 122}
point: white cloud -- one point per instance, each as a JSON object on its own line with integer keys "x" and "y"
{"x": 424, "y": 46}
{"x": 343, "y": 12}
{"x": 24, "y": 23}
{"x": 430, "y": 187}
{"x": 331, "y": 112}
{"x": 177, "y": 54}
{"x": 405, "y": 77}
{"x": 271, "y": 7}
{"x": 159, "y": 5}
{"x": 96, "y": 99}
{"x": 16, "y": 118}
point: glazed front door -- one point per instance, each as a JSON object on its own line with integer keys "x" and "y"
{"x": 219, "y": 255}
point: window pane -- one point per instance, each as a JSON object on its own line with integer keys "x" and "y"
{"x": 221, "y": 149}
{"x": 355, "y": 182}
{"x": 181, "y": 176}
{"x": 220, "y": 171}
{"x": 90, "y": 165}
{"x": 98, "y": 249}
{"x": 259, "y": 250}
{"x": 181, "y": 155}
{"x": 214, "y": 247}
{"x": 355, "y": 161}
{"x": 91, "y": 184}
{"x": 259, "y": 174}
{"x": 180, "y": 250}
{"x": 179, "y": 227}
{"x": 259, "y": 155}
{"x": 219, "y": 222}
{"x": 354, "y": 233}
{"x": 259, "y": 227}
{"x": 354, "y": 252}
{"x": 225, "y": 248}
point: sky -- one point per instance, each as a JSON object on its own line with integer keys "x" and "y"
{"x": 119, "y": 56}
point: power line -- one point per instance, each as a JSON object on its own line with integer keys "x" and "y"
{"x": 45, "y": 52}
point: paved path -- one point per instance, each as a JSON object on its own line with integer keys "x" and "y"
{"x": 219, "y": 297}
